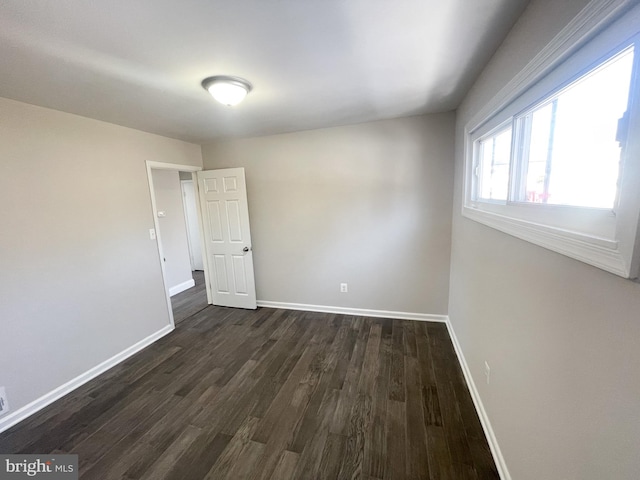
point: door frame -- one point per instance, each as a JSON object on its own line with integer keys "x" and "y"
{"x": 152, "y": 165}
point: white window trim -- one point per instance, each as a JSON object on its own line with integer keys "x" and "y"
{"x": 620, "y": 256}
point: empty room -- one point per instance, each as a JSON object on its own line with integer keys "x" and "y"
{"x": 320, "y": 239}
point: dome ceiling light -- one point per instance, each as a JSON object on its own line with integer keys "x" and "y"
{"x": 227, "y": 90}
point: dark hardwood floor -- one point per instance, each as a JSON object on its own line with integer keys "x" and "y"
{"x": 191, "y": 301}
{"x": 272, "y": 394}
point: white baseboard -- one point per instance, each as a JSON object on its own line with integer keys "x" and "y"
{"x": 425, "y": 317}
{"x": 13, "y": 418}
{"x": 181, "y": 287}
{"x": 482, "y": 414}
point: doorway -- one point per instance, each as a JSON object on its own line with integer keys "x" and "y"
{"x": 190, "y": 301}
{"x": 223, "y": 229}
{"x": 178, "y": 238}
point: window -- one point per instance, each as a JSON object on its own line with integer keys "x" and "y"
{"x": 493, "y": 165}
{"x": 556, "y": 165}
{"x": 566, "y": 149}
{"x": 569, "y": 154}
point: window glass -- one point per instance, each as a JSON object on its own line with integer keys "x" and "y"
{"x": 570, "y": 155}
{"x": 494, "y": 156}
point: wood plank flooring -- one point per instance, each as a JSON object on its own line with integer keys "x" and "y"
{"x": 272, "y": 394}
{"x": 191, "y": 301}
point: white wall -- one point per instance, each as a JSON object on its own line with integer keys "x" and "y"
{"x": 366, "y": 204}
{"x": 173, "y": 228}
{"x": 561, "y": 337}
{"x": 80, "y": 279}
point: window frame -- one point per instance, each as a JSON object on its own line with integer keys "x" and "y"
{"x": 606, "y": 238}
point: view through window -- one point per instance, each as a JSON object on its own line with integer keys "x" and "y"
{"x": 569, "y": 148}
{"x": 565, "y": 150}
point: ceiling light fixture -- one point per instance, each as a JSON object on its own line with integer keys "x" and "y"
{"x": 227, "y": 90}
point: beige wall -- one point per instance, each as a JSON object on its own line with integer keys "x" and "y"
{"x": 80, "y": 278}
{"x": 561, "y": 337}
{"x": 173, "y": 227}
{"x": 365, "y": 204}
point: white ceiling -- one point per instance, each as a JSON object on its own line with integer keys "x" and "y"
{"x": 313, "y": 63}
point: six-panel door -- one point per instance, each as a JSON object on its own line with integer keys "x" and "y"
{"x": 225, "y": 212}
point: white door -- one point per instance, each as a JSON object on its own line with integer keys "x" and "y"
{"x": 193, "y": 231}
{"x": 225, "y": 214}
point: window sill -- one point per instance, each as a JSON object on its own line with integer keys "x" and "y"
{"x": 599, "y": 252}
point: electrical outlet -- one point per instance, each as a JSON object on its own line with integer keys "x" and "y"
{"x": 4, "y": 402}
{"x": 344, "y": 288}
{"x": 487, "y": 371}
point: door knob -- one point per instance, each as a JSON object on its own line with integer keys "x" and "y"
{"x": 245, "y": 249}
